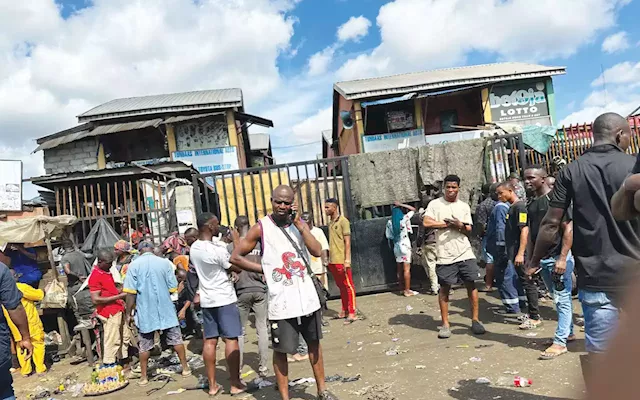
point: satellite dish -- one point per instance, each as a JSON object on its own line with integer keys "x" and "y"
{"x": 347, "y": 120}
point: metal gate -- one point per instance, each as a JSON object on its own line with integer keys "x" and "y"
{"x": 229, "y": 194}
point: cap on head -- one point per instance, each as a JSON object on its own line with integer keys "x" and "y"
{"x": 145, "y": 245}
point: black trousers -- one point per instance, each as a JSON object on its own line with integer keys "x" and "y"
{"x": 531, "y": 291}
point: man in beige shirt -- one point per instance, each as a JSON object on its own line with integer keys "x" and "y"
{"x": 452, "y": 220}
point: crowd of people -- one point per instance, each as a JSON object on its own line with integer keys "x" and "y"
{"x": 536, "y": 234}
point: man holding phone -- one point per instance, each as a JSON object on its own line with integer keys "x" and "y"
{"x": 294, "y": 306}
{"x": 452, "y": 220}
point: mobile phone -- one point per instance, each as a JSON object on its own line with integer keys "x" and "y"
{"x": 293, "y": 214}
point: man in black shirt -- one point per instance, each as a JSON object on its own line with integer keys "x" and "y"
{"x": 557, "y": 264}
{"x": 607, "y": 252}
{"x": 507, "y": 252}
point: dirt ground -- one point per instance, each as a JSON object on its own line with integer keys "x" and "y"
{"x": 424, "y": 368}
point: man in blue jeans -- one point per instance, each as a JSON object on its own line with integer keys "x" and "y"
{"x": 606, "y": 251}
{"x": 557, "y": 263}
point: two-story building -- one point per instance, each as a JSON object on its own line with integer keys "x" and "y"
{"x": 438, "y": 106}
{"x": 125, "y": 155}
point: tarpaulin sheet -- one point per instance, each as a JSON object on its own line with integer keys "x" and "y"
{"x": 463, "y": 158}
{"x": 102, "y": 235}
{"x": 383, "y": 177}
{"x": 33, "y": 229}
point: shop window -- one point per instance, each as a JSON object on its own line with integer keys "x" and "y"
{"x": 447, "y": 120}
{"x": 386, "y": 118}
{"x": 144, "y": 144}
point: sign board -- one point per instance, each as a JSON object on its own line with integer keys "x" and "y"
{"x": 210, "y": 160}
{"x": 397, "y": 120}
{"x": 10, "y": 185}
{"x": 393, "y": 141}
{"x": 441, "y": 138}
{"x": 413, "y": 138}
{"x": 518, "y": 101}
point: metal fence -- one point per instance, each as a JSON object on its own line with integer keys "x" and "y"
{"x": 124, "y": 203}
{"x": 573, "y": 140}
{"x": 229, "y": 194}
{"x": 504, "y": 154}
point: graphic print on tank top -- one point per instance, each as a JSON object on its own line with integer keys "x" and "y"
{"x": 289, "y": 269}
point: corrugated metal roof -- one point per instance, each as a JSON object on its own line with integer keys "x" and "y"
{"x": 442, "y": 79}
{"x": 173, "y": 120}
{"x": 204, "y": 99}
{"x": 97, "y": 131}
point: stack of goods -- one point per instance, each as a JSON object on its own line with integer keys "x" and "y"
{"x": 105, "y": 379}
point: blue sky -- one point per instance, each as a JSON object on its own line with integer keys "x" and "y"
{"x": 64, "y": 57}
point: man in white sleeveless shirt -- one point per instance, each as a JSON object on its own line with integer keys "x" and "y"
{"x": 294, "y": 307}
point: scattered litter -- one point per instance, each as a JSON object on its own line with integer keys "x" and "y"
{"x": 359, "y": 343}
{"x": 359, "y": 348}
{"x": 349, "y": 365}
{"x": 511, "y": 372}
{"x": 395, "y": 339}
{"x": 421, "y": 312}
{"x": 421, "y": 366}
{"x": 484, "y": 346}
{"x": 455, "y": 389}
{"x": 181, "y": 390}
{"x": 39, "y": 392}
{"x": 409, "y": 308}
{"x": 517, "y": 381}
{"x": 351, "y": 379}
{"x": 332, "y": 378}
{"x": 475, "y": 359}
{"x": 391, "y": 352}
{"x": 326, "y": 331}
{"x": 462, "y": 346}
{"x": 456, "y": 367}
{"x": 375, "y": 343}
{"x": 497, "y": 397}
{"x": 75, "y": 390}
{"x": 301, "y": 381}
{"x": 52, "y": 338}
{"x": 375, "y": 392}
{"x": 531, "y": 334}
{"x": 248, "y": 373}
{"x": 259, "y": 383}
{"x": 483, "y": 380}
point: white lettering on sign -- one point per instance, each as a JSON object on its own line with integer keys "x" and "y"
{"x": 518, "y": 98}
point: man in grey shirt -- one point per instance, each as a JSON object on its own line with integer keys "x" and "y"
{"x": 251, "y": 290}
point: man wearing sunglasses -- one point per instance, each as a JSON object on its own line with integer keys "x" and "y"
{"x": 294, "y": 306}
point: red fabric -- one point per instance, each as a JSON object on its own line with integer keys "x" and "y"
{"x": 102, "y": 281}
{"x": 344, "y": 281}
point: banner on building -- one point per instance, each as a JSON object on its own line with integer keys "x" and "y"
{"x": 10, "y": 185}
{"x": 393, "y": 141}
{"x": 519, "y": 101}
{"x": 442, "y": 138}
{"x": 210, "y": 160}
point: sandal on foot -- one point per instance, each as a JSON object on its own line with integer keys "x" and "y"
{"x": 143, "y": 382}
{"x": 219, "y": 390}
{"x": 550, "y": 355}
{"x": 186, "y": 373}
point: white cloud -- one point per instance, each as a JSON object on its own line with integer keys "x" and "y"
{"x": 319, "y": 62}
{"x": 622, "y": 94}
{"x": 616, "y": 42}
{"x": 354, "y": 29}
{"x": 422, "y": 34}
{"x": 623, "y": 73}
{"x": 52, "y": 69}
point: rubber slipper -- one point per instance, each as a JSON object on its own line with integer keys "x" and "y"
{"x": 186, "y": 373}
{"x": 547, "y": 355}
{"x": 350, "y": 321}
{"x": 219, "y": 390}
{"x": 143, "y": 382}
